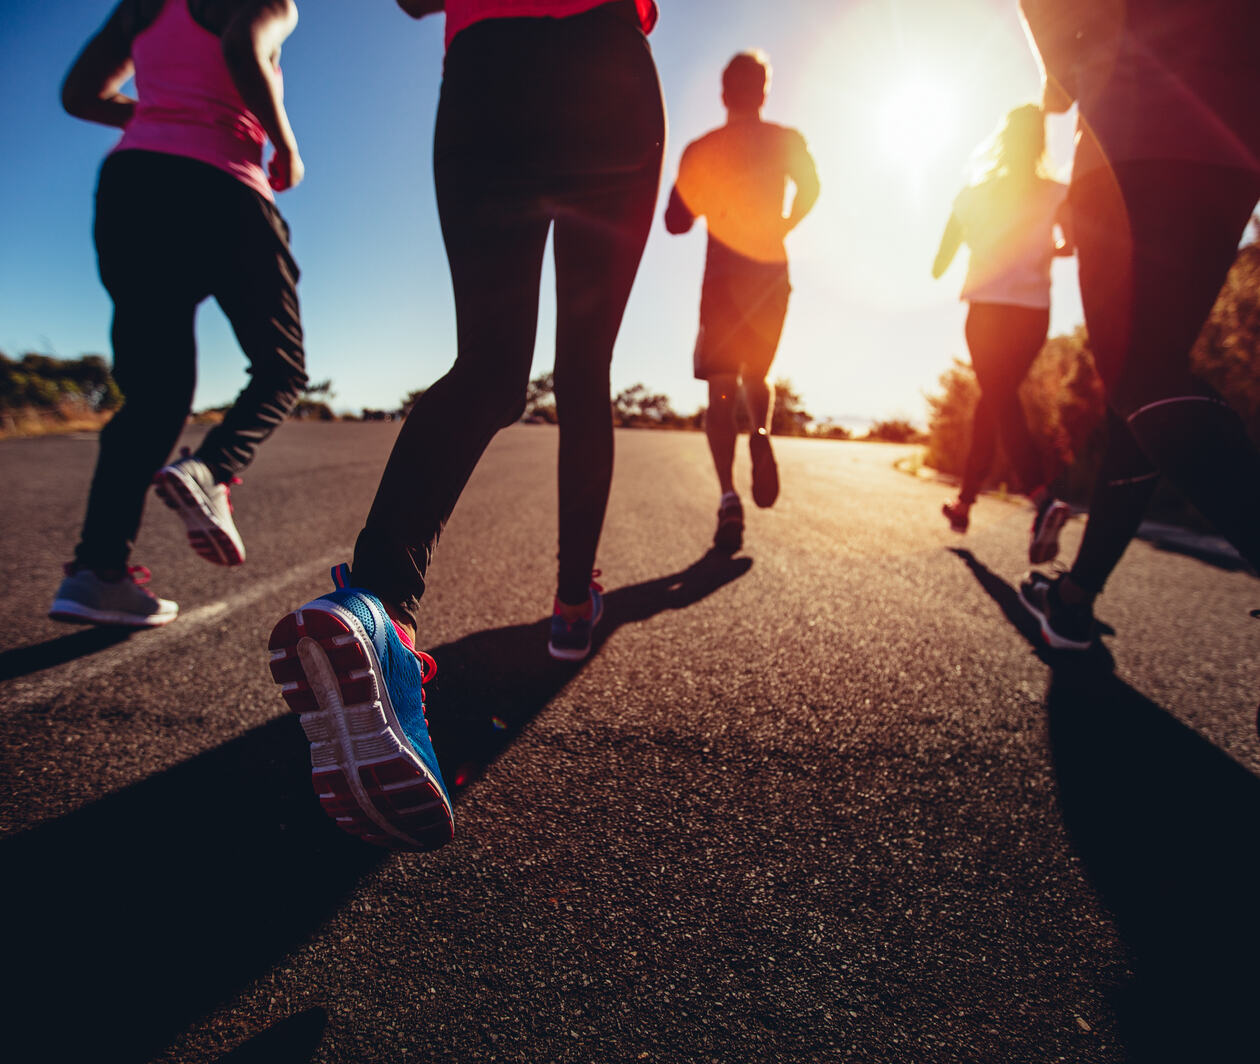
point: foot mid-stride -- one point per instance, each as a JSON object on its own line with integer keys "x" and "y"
{"x": 573, "y": 626}
{"x": 343, "y": 667}
{"x": 205, "y": 506}
{"x": 112, "y": 599}
{"x": 1064, "y": 626}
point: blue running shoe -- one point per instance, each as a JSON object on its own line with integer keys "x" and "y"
{"x": 358, "y": 690}
{"x": 571, "y": 640}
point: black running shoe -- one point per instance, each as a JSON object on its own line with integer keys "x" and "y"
{"x": 765, "y": 471}
{"x": 729, "y": 536}
{"x": 958, "y": 513}
{"x": 1063, "y": 627}
{"x": 1043, "y": 543}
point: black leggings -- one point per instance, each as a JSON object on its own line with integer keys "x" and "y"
{"x": 171, "y": 231}
{"x": 1155, "y": 241}
{"x": 542, "y": 122}
{"x": 1004, "y": 341}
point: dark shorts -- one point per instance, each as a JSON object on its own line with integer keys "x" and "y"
{"x": 741, "y": 320}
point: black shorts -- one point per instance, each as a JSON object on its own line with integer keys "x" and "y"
{"x": 741, "y": 320}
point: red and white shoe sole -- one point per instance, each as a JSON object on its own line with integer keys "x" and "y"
{"x": 1045, "y": 544}
{"x": 365, "y": 774}
{"x": 205, "y": 535}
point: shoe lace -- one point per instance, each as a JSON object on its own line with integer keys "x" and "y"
{"x": 139, "y": 574}
{"x": 428, "y": 667}
{"x": 597, "y": 587}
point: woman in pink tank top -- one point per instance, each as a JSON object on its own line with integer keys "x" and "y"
{"x": 184, "y": 210}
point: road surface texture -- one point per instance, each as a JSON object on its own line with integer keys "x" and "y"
{"x": 826, "y": 800}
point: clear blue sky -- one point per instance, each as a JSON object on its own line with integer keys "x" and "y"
{"x": 892, "y": 96}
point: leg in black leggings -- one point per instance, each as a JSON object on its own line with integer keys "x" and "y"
{"x": 540, "y": 121}
{"x": 1155, "y": 243}
{"x": 1004, "y": 342}
{"x": 980, "y": 452}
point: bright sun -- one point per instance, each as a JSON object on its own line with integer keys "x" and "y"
{"x": 915, "y": 121}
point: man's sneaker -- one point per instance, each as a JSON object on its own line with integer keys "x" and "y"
{"x": 189, "y": 488}
{"x": 765, "y": 471}
{"x": 1063, "y": 627}
{"x": 958, "y": 513}
{"x": 86, "y": 598}
{"x": 358, "y": 689}
{"x": 729, "y": 536}
{"x": 1043, "y": 542}
{"x": 571, "y": 640}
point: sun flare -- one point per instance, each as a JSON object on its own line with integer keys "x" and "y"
{"x": 915, "y": 120}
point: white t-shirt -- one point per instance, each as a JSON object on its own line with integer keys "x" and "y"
{"x": 1008, "y": 225}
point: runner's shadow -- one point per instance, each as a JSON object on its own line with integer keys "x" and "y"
{"x": 292, "y": 1040}
{"x": 1166, "y": 826}
{"x": 491, "y": 684}
{"x": 22, "y": 661}
{"x": 130, "y": 918}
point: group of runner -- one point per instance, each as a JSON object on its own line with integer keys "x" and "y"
{"x": 551, "y": 120}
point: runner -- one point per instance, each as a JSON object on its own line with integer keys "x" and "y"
{"x": 550, "y": 118}
{"x": 736, "y": 178}
{"x": 1167, "y": 174}
{"x": 184, "y": 210}
{"x": 1007, "y": 219}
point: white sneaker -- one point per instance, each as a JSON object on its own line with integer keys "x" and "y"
{"x": 205, "y": 506}
{"x": 85, "y": 598}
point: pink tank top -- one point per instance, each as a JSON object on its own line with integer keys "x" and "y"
{"x": 463, "y": 13}
{"x": 186, "y": 101}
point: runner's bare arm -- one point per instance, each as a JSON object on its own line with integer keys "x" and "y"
{"x": 92, "y": 87}
{"x": 951, "y": 241}
{"x": 678, "y": 216}
{"x": 804, "y": 175}
{"x": 420, "y": 8}
{"x": 251, "y": 47}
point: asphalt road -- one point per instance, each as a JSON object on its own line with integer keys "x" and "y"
{"x": 827, "y": 800}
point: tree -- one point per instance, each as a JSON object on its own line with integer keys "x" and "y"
{"x": 790, "y": 418}
{"x": 540, "y": 399}
{"x": 312, "y": 404}
{"x": 895, "y": 430}
{"x": 635, "y": 407}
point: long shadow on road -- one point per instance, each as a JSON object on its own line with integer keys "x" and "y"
{"x": 1167, "y": 827}
{"x": 491, "y": 684}
{"x": 129, "y": 919}
{"x": 22, "y": 661}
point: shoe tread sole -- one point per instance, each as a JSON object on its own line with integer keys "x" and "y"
{"x": 364, "y": 771}
{"x": 1044, "y": 546}
{"x": 206, "y": 534}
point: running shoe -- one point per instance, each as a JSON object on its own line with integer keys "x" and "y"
{"x": 1063, "y": 627}
{"x": 729, "y": 536}
{"x": 1043, "y": 542}
{"x": 765, "y": 471}
{"x": 343, "y": 667}
{"x": 958, "y": 513}
{"x": 571, "y": 640}
{"x": 86, "y": 598}
{"x": 205, "y": 506}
